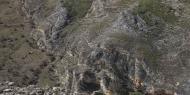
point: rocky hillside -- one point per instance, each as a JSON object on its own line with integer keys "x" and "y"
{"x": 95, "y": 47}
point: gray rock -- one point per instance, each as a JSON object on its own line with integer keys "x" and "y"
{"x": 114, "y": 50}
{"x": 10, "y": 83}
{"x": 7, "y": 90}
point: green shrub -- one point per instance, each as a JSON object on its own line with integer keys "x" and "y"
{"x": 135, "y": 93}
{"x": 185, "y": 1}
{"x": 156, "y": 15}
{"x": 46, "y": 79}
{"x": 77, "y": 8}
{"x": 151, "y": 55}
{"x": 147, "y": 8}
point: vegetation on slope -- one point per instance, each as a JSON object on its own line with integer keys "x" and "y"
{"x": 185, "y": 1}
{"x": 20, "y": 59}
{"x": 77, "y": 8}
{"x": 147, "y": 8}
{"x": 142, "y": 47}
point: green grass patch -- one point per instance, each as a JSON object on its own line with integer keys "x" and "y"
{"x": 150, "y": 54}
{"x": 121, "y": 37}
{"x": 45, "y": 80}
{"x": 98, "y": 27}
{"x": 156, "y": 15}
{"x": 135, "y": 93}
{"x": 143, "y": 47}
{"x": 49, "y": 6}
{"x": 125, "y": 2}
{"x": 77, "y": 8}
{"x": 72, "y": 27}
{"x": 147, "y": 8}
{"x": 185, "y": 1}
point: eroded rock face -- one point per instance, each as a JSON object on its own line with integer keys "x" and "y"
{"x": 48, "y": 17}
{"x": 124, "y": 55}
{"x": 121, "y": 47}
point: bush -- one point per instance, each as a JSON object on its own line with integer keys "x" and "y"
{"x": 77, "y": 8}
{"x": 185, "y": 1}
{"x": 135, "y": 93}
{"x": 147, "y": 8}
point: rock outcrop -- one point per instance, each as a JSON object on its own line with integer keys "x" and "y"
{"x": 9, "y": 88}
{"x": 114, "y": 47}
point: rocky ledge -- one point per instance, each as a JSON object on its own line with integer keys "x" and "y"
{"x": 9, "y": 88}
